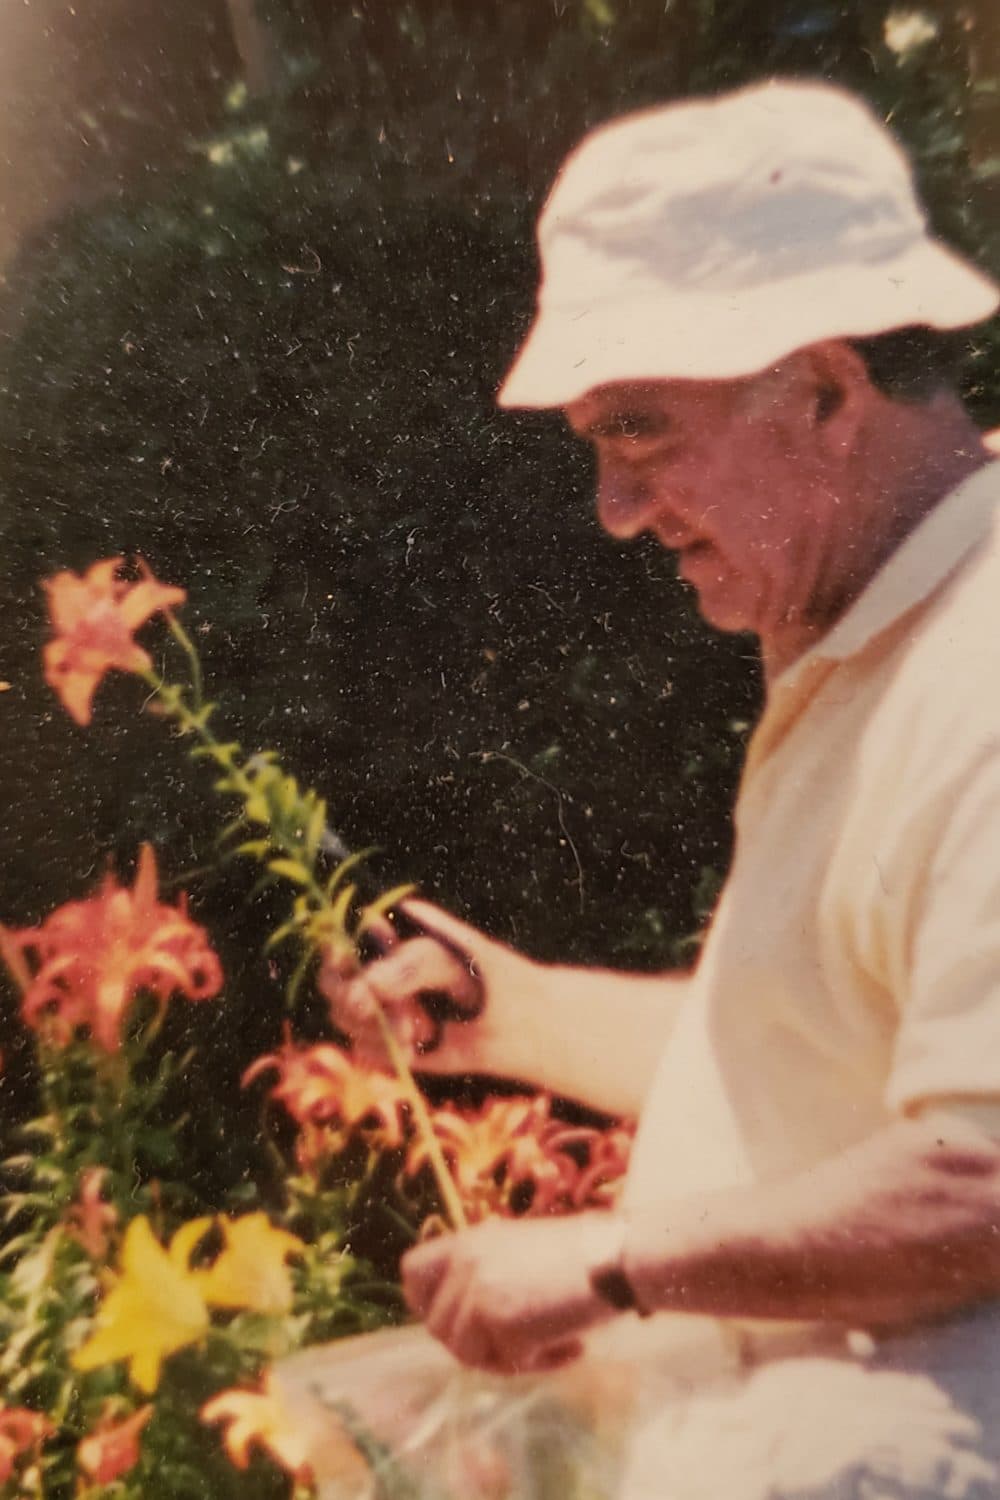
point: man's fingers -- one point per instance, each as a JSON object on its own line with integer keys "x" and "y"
{"x": 414, "y": 1028}
{"x": 352, "y": 1004}
{"x": 420, "y": 983}
{"x": 355, "y": 1003}
{"x": 474, "y": 1345}
{"x": 381, "y": 935}
{"x": 440, "y": 923}
{"x": 444, "y": 1317}
{"x": 438, "y": 1291}
{"x": 423, "y": 1270}
{"x": 553, "y": 1357}
{"x": 455, "y": 1320}
{"x": 418, "y": 967}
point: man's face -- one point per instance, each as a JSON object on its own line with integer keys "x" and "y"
{"x": 725, "y": 473}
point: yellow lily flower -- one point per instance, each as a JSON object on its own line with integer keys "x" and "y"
{"x": 154, "y": 1306}
{"x": 251, "y": 1271}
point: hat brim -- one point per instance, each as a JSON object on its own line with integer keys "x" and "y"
{"x": 571, "y": 350}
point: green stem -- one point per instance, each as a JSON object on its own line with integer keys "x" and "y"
{"x": 193, "y": 722}
{"x": 111, "y": 1079}
{"x": 445, "y": 1182}
{"x": 182, "y": 638}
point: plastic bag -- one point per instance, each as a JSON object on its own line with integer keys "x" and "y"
{"x": 431, "y": 1429}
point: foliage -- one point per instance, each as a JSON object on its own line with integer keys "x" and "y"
{"x": 138, "y": 1328}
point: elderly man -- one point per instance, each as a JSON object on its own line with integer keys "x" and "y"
{"x": 738, "y": 312}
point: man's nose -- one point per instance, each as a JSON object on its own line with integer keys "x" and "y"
{"x": 624, "y": 503}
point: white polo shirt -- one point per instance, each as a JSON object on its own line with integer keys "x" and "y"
{"x": 852, "y": 971}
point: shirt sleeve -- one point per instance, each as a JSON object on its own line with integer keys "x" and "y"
{"x": 947, "y": 1045}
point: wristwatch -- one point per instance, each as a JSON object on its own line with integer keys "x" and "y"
{"x": 609, "y": 1279}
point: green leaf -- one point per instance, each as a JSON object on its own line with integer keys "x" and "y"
{"x": 315, "y": 828}
{"x": 377, "y": 909}
{"x": 286, "y": 794}
{"x": 22, "y": 1163}
{"x": 342, "y": 905}
{"x": 295, "y": 983}
{"x": 18, "y": 1245}
{"x": 237, "y": 825}
{"x": 264, "y": 883}
{"x": 258, "y": 1334}
{"x": 253, "y": 848}
{"x": 282, "y": 934}
{"x": 292, "y": 869}
{"x": 348, "y": 864}
{"x": 158, "y": 1146}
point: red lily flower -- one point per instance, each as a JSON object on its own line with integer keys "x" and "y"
{"x": 598, "y": 1182}
{"x": 321, "y": 1086}
{"x": 92, "y": 1220}
{"x": 112, "y": 1449}
{"x": 21, "y": 1430}
{"x": 92, "y": 957}
{"x": 512, "y": 1156}
{"x": 94, "y": 620}
{"x": 496, "y": 1151}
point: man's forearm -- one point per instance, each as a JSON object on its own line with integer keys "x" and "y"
{"x": 594, "y": 1035}
{"x": 904, "y": 1226}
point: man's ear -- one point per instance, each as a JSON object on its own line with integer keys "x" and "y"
{"x": 838, "y": 391}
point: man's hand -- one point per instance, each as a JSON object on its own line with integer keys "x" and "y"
{"x": 512, "y": 1295}
{"x": 589, "y": 1034}
{"x": 448, "y": 958}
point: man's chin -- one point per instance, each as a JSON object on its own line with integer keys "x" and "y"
{"x": 730, "y": 623}
{"x": 723, "y": 608}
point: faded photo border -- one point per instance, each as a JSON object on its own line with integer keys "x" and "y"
{"x": 481, "y": 484}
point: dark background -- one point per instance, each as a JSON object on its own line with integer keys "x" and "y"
{"x": 265, "y": 267}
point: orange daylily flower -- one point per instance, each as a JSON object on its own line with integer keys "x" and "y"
{"x": 264, "y": 1417}
{"x": 92, "y": 1221}
{"x": 94, "y": 619}
{"x": 21, "y": 1430}
{"x": 92, "y": 958}
{"x": 513, "y": 1148}
{"x": 608, "y": 1154}
{"x": 495, "y": 1150}
{"x": 112, "y": 1449}
{"x": 320, "y": 1085}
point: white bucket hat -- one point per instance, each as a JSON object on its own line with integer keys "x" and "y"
{"x": 708, "y": 239}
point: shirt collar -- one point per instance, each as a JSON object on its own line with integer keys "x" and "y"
{"x": 919, "y": 565}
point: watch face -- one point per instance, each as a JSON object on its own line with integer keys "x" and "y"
{"x": 613, "y": 1286}
{"x": 433, "y": 438}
